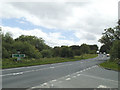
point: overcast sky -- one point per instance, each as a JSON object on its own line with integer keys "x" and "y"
{"x": 60, "y": 23}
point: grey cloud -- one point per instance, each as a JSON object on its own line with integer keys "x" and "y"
{"x": 45, "y": 9}
{"x": 90, "y": 36}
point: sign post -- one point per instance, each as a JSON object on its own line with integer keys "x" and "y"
{"x": 19, "y": 56}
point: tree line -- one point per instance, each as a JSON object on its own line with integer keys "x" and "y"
{"x": 111, "y": 41}
{"x": 34, "y": 47}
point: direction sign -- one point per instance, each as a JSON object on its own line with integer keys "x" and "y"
{"x": 18, "y": 55}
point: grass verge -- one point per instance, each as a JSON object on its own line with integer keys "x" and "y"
{"x": 9, "y": 63}
{"x": 111, "y": 64}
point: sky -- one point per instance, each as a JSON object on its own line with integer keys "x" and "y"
{"x": 59, "y": 22}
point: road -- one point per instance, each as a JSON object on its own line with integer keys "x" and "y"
{"x": 28, "y": 77}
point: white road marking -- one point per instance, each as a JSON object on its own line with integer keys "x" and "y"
{"x": 54, "y": 80}
{"x": 87, "y": 69}
{"x": 74, "y": 76}
{"x": 83, "y": 70}
{"x": 17, "y": 73}
{"x": 37, "y": 69}
{"x": 67, "y": 75}
{"x": 31, "y": 70}
{"x": 21, "y": 67}
{"x": 68, "y": 78}
{"x": 6, "y": 74}
{"x": 44, "y": 84}
{"x": 78, "y": 75}
{"x": 52, "y": 67}
{"x": 51, "y": 85}
{"x": 102, "y": 86}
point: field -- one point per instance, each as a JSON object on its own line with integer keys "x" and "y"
{"x": 9, "y": 63}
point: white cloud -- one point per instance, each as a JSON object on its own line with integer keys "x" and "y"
{"x": 67, "y": 16}
{"x": 84, "y": 18}
{"x": 52, "y": 39}
{"x": 85, "y": 36}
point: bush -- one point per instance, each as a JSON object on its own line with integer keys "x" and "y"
{"x": 66, "y": 52}
{"x": 14, "y": 58}
{"x": 115, "y": 50}
{"x": 46, "y": 53}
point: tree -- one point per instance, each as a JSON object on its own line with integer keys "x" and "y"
{"x": 84, "y": 49}
{"x": 5, "y": 53}
{"x": 27, "y": 49}
{"x": 104, "y": 48}
{"x": 93, "y": 49}
{"x": 7, "y": 42}
{"x": 76, "y": 49}
{"x": 56, "y": 51}
{"x": 110, "y": 35}
{"x": 66, "y": 52}
{"x": 115, "y": 50}
{"x": 33, "y": 40}
{"x": 46, "y": 53}
{"x": 7, "y": 38}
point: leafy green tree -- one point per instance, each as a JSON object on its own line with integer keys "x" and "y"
{"x": 85, "y": 49}
{"x": 56, "y": 51}
{"x": 27, "y": 49}
{"x": 93, "y": 49}
{"x": 7, "y": 38}
{"x": 110, "y": 35}
{"x": 104, "y": 48}
{"x": 46, "y": 53}
{"x": 5, "y": 53}
{"x": 115, "y": 50}
{"x": 33, "y": 40}
{"x": 76, "y": 49}
{"x": 66, "y": 52}
{"x": 7, "y": 42}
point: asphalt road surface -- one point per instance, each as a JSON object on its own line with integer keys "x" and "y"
{"x": 42, "y": 75}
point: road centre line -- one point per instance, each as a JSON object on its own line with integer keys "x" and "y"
{"x": 82, "y": 61}
{"x": 54, "y": 80}
{"x": 102, "y": 86}
{"x": 78, "y": 74}
{"x": 34, "y": 70}
{"x": 35, "y": 66}
{"x": 22, "y": 67}
{"x": 32, "y": 66}
{"x": 68, "y": 78}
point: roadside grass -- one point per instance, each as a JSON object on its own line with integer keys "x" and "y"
{"x": 9, "y": 63}
{"x": 111, "y": 64}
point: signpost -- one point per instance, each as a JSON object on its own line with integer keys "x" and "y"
{"x": 19, "y": 56}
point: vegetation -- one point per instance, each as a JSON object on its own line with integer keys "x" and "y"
{"x": 34, "y": 47}
{"x": 111, "y": 65}
{"x": 9, "y": 63}
{"x": 110, "y": 36}
{"x": 111, "y": 44}
{"x": 37, "y": 52}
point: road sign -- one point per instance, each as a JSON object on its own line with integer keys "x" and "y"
{"x": 18, "y": 55}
